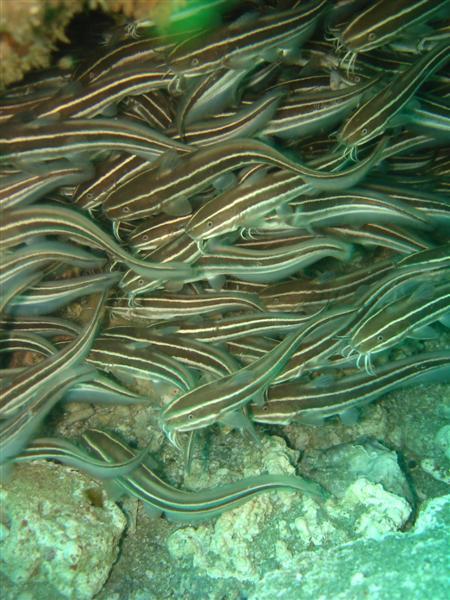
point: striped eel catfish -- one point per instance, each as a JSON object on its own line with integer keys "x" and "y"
{"x": 267, "y": 239}
{"x": 25, "y": 188}
{"x": 181, "y": 248}
{"x": 375, "y": 115}
{"x": 69, "y": 454}
{"x": 364, "y": 207}
{"x": 46, "y": 219}
{"x": 207, "y": 96}
{"x": 230, "y": 328}
{"x": 193, "y": 353}
{"x": 17, "y": 341}
{"x": 153, "y": 108}
{"x": 157, "y": 231}
{"x": 97, "y": 98}
{"x": 249, "y": 348}
{"x": 247, "y": 204}
{"x": 304, "y": 294}
{"x": 248, "y": 119}
{"x": 104, "y": 390}
{"x": 47, "y": 141}
{"x": 383, "y": 20}
{"x": 44, "y": 326}
{"x": 37, "y": 255}
{"x": 431, "y": 116}
{"x": 315, "y": 401}
{"x": 435, "y": 207}
{"x": 184, "y": 505}
{"x": 340, "y": 323}
{"x": 25, "y": 104}
{"x": 266, "y": 266}
{"x": 433, "y": 258}
{"x": 399, "y": 319}
{"x": 108, "y": 174}
{"x": 188, "y": 176}
{"x": 244, "y": 205}
{"x": 323, "y": 342}
{"x": 17, "y": 429}
{"x": 169, "y": 306}
{"x": 310, "y": 113}
{"x": 17, "y": 394}
{"x": 18, "y": 284}
{"x": 399, "y": 239}
{"x": 130, "y": 361}
{"x": 223, "y": 399}
{"x": 49, "y": 296}
{"x": 118, "y": 59}
{"x": 240, "y": 45}
{"x": 319, "y": 344}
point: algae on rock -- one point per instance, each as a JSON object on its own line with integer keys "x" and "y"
{"x": 59, "y": 533}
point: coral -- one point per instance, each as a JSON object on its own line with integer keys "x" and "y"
{"x": 29, "y": 30}
{"x": 139, "y": 9}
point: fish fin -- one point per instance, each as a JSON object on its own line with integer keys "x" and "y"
{"x": 152, "y": 511}
{"x": 427, "y": 332}
{"x": 237, "y": 420}
{"x": 445, "y": 320}
{"x": 216, "y": 282}
{"x": 178, "y": 208}
{"x": 259, "y": 398}
{"x": 224, "y": 182}
{"x": 248, "y": 18}
{"x": 6, "y": 470}
{"x": 424, "y": 291}
{"x": 350, "y": 416}
{"x": 285, "y": 212}
{"x": 314, "y": 420}
{"x": 189, "y": 451}
{"x": 173, "y": 286}
{"x": 109, "y": 111}
{"x": 114, "y": 490}
{"x": 168, "y": 161}
{"x": 137, "y": 345}
{"x": 324, "y": 380}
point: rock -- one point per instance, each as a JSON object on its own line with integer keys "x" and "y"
{"x": 369, "y": 500}
{"x": 413, "y": 565}
{"x": 59, "y": 533}
{"x": 338, "y": 466}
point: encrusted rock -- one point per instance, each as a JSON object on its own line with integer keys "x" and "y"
{"x": 59, "y": 532}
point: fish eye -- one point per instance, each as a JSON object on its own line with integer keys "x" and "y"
{"x": 141, "y": 281}
{"x": 380, "y": 338}
{"x": 190, "y": 417}
{"x": 364, "y": 131}
{"x": 194, "y": 62}
{"x": 209, "y": 224}
{"x": 371, "y": 36}
{"x": 126, "y": 209}
{"x": 145, "y": 237}
{"x": 89, "y": 196}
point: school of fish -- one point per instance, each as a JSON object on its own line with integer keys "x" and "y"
{"x": 261, "y": 212}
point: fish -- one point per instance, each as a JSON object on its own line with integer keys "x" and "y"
{"x": 313, "y": 402}
{"x": 160, "y": 497}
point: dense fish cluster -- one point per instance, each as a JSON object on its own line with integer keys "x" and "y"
{"x": 262, "y": 212}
